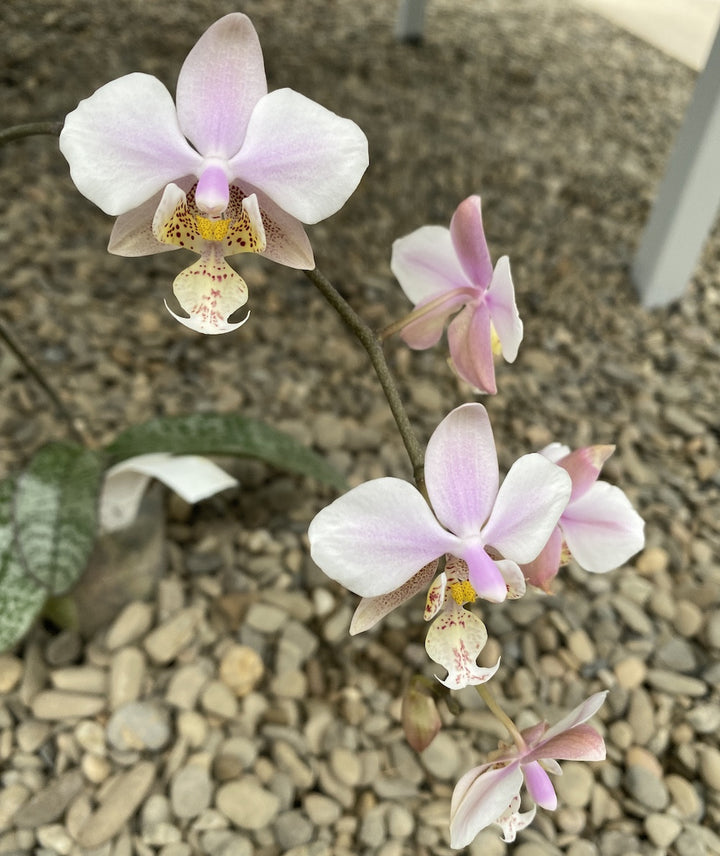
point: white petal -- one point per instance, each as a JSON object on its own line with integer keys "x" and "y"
{"x": 426, "y": 265}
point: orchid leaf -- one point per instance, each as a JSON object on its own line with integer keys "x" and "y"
{"x": 224, "y": 434}
{"x": 54, "y": 513}
{"x": 21, "y": 598}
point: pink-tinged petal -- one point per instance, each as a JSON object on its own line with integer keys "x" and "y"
{"x": 436, "y": 595}
{"x": 514, "y": 578}
{"x": 544, "y": 567}
{"x": 602, "y": 529}
{"x": 513, "y": 821}
{"x": 583, "y": 466}
{"x": 371, "y": 609}
{"x": 539, "y": 786}
{"x": 581, "y": 743}
{"x": 461, "y": 470}
{"x": 212, "y": 193}
{"x": 468, "y": 237}
{"x": 210, "y": 291}
{"x": 480, "y": 799}
{"x": 304, "y": 157}
{"x": 579, "y": 715}
{"x": 470, "y": 341}
{"x": 431, "y": 314}
{"x": 374, "y": 538}
{"x": 287, "y": 242}
{"x": 123, "y": 144}
{"x": 500, "y": 299}
{"x": 426, "y": 265}
{"x": 555, "y": 452}
{"x": 527, "y": 509}
{"x": 454, "y": 640}
{"x": 220, "y": 82}
{"x": 483, "y": 573}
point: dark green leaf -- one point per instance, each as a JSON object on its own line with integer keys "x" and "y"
{"x": 54, "y": 514}
{"x": 20, "y": 596}
{"x": 223, "y": 434}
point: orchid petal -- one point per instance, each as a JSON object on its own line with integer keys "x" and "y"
{"x": 528, "y": 507}
{"x": 544, "y": 567}
{"x": 373, "y": 539}
{"x": 220, "y": 82}
{"x": 500, "y": 299}
{"x": 371, "y": 609}
{"x": 514, "y": 578}
{"x": 468, "y": 238}
{"x": 432, "y": 313}
{"x": 287, "y": 243}
{"x": 470, "y": 342}
{"x": 583, "y": 467}
{"x": 584, "y": 711}
{"x": 304, "y": 157}
{"x": 123, "y": 143}
{"x": 454, "y": 640}
{"x": 461, "y": 470}
{"x": 581, "y": 743}
{"x": 539, "y": 786}
{"x": 436, "y": 595}
{"x": 602, "y": 529}
{"x": 212, "y": 193}
{"x": 555, "y": 452}
{"x": 426, "y": 265}
{"x": 513, "y": 821}
{"x": 479, "y": 800}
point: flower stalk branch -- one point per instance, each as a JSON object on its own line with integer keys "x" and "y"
{"x": 32, "y": 368}
{"x": 31, "y": 129}
{"x": 370, "y": 341}
{"x": 499, "y": 714}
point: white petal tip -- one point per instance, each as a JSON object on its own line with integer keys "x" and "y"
{"x": 201, "y": 325}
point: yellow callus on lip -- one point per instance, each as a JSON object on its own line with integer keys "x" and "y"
{"x": 495, "y": 345}
{"x": 463, "y": 592}
{"x": 212, "y": 230}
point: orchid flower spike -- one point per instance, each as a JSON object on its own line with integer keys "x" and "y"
{"x": 599, "y": 528}
{"x": 230, "y": 169}
{"x": 443, "y": 271}
{"x": 490, "y": 793}
{"x": 374, "y": 539}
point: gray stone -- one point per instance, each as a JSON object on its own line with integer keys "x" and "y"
{"x": 247, "y": 804}
{"x": 190, "y": 791}
{"x": 139, "y": 725}
{"x": 292, "y": 829}
{"x": 49, "y": 804}
{"x": 646, "y": 787}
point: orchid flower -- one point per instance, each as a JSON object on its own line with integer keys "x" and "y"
{"x": 231, "y": 169}
{"x": 442, "y": 270}
{"x": 490, "y": 793}
{"x": 375, "y": 537}
{"x": 599, "y": 528}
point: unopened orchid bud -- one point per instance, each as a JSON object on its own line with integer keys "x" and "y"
{"x": 420, "y": 717}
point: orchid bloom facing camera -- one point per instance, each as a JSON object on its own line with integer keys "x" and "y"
{"x": 599, "y": 528}
{"x": 230, "y": 169}
{"x": 443, "y": 271}
{"x": 375, "y": 537}
{"x": 490, "y": 793}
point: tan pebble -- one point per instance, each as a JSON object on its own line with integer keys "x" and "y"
{"x": 685, "y": 798}
{"x": 192, "y": 727}
{"x": 630, "y": 672}
{"x": 55, "y": 838}
{"x": 185, "y": 686}
{"x": 127, "y": 674}
{"x": 11, "y": 798}
{"x": 688, "y": 619}
{"x": 11, "y": 669}
{"x": 575, "y": 786}
{"x": 77, "y": 813}
{"x": 638, "y": 755}
{"x": 80, "y": 679}
{"x": 132, "y": 623}
{"x": 218, "y": 699}
{"x": 95, "y": 768}
{"x": 58, "y": 704}
{"x": 710, "y": 766}
{"x": 91, "y": 736}
{"x": 581, "y": 646}
{"x": 662, "y": 829}
{"x": 241, "y": 669}
{"x": 30, "y": 735}
{"x": 165, "y": 642}
{"x": 119, "y": 803}
{"x": 652, "y": 561}
{"x": 621, "y": 734}
{"x": 662, "y": 604}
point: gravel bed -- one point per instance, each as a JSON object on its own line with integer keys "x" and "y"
{"x": 223, "y": 709}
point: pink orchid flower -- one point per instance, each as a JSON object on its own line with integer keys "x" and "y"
{"x": 442, "y": 270}
{"x": 375, "y": 537}
{"x": 231, "y": 169}
{"x": 490, "y": 793}
{"x": 599, "y": 528}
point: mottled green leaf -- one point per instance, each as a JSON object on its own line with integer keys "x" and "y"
{"x": 21, "y": 598}
{"x": 54, "y": 514}
{"x": 224, "y": 434}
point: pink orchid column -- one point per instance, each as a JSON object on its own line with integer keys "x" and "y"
{"x": 449, "y": 271}
{"x": 244, "y": 169}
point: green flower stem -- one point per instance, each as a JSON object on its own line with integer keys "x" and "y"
{"x": 17, "y": 132}
{"x": 372, "y": 344}
{"x": 500, "y": 714}
{"x": 29, "y": 364}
